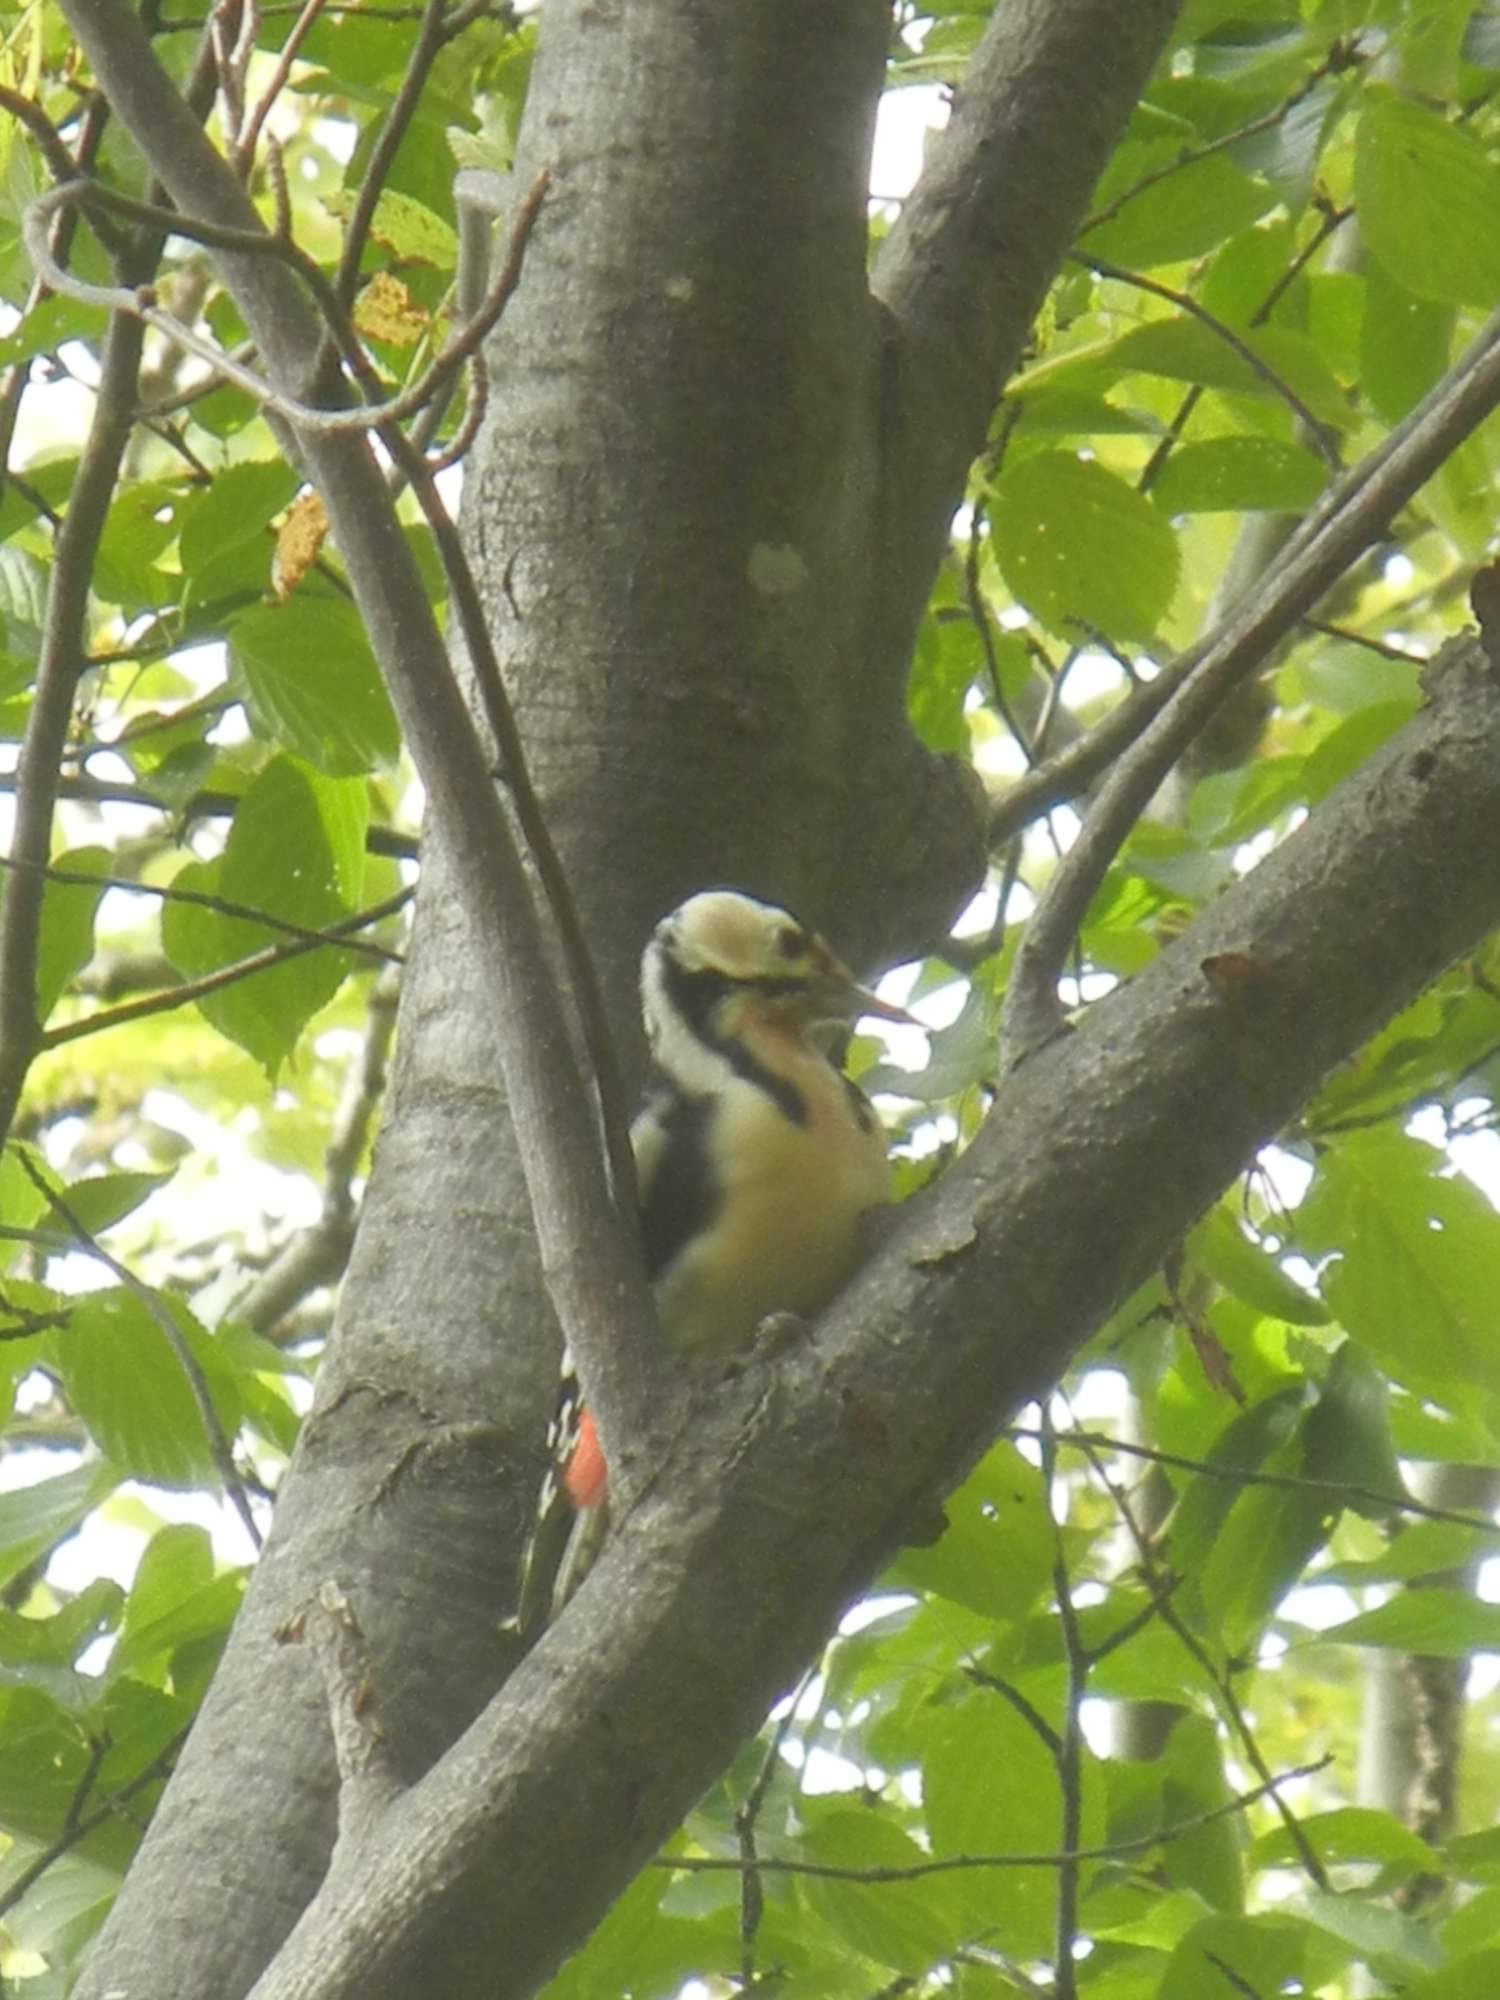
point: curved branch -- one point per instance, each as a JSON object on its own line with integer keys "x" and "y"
{"x": 786, "y": 1494}
{"x": 1352, "y": 514}
{"x": 966, "y": 266}
{"x": 589, "y": 1254}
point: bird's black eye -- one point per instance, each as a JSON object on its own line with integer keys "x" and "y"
{"x": 791, "y": 942}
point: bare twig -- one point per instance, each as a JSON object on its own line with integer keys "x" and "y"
{"x": 59, "y": 668}
{"x": 226, "y": 975}
{"x": 85, "y": 790}
{"x": 1344, "y": 53}
{"x": 50, "y": 142}
{"x": 706, "y": 1864}
{"x": 425, "y": 50}
{"x": 1317, "y": 430}
{"x": 1241, "y": 1985}
{"x": 153, "y": 1303}
{"x": 139, "y": 302}
{"x": 1068, "y": 1757}
{"x": 1240, "y": 1475}
{"x": 201, "y": 899}
{"x": 1029, "y": 1713}
{"x": 31, "y": 1874}
{"x": 261, "y": 110}
{"x": 1218, "y": 1679}
{"x": 752, "y": 1897}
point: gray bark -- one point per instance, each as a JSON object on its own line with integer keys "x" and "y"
{"x": 695, "y": 513}
{"x": 797, "y": 1477}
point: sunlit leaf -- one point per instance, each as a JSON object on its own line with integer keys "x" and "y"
{"x": 1080, "y": 549}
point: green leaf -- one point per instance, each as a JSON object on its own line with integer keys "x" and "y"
{"x": 1348, "y": 1833}
{"x": 21, "y": 1201}
{"x": 945, "y": 663}
{"x": 1232, "y": 473}
{"x": 1393, "y": 1943}
{"x": 997, "y": 1552}
{"x": 906, "y": 1925}
{"x": 1428, "y": 197}
{"x": 1261, "y": 1550}
{"x": 1476, "y": 1977}
{"x": 123, "y": 1379}
{"x": 176, "y": 1600}
{"x": 35, "y": 1518}
{"x": 1192, "y": 210}
{"x": 971, "y": 1809}
{"x": 57, "y": 1641}
{"x": 1405, "y": 343}
{"x": 404, "y": 226}
{"x": 311, "y": 684}
{"x": 1447, "y": 1623}
{"x": 42, "y": 1758}
{"x": 1416, "y": 1262}
{"x": 1074, "y": 543}
{"x": 1206, "y": 1859}
{"x": 1346, "y": 1435}
{"x": 65, "y": 936}
{"x": 1185, "y": 350}
{"x": 1265, "y": 1955}
{"x": 50, "y": 322}
{"x": 1244, "y": 1444}
{"x": 1220, "y": 1245}
{"x": 224, "y": 544}
{"x": 295, "y": 850}
{"x": 102, "y": 1200}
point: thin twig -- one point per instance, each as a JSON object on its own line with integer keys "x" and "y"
{"x": 1344, "y": 53}
{"x": 1239, "y": 1475}
{"x": 49, "y": 141}
{"x": 484, "y": 663}
{"x": 1241, "y": 1985}
{"x": 1219, "y": 1680}
{"x": 59, "y": 668}
{"x": 424, "y": 53}
{"x": 31, "y": 1874}
{"x": 1382, "y": 647}
{"x": 226, "y": 975}
{"x": 1027, "y": 1710}
{"x": 79, "y": 787}
{"x": 139, "y": 302}
{"x": 752, "y": 1898}
{"x": 1320, "y": 433}
{"x": 704, "y": 1864}
{"x": 316, "y": 1256}
{"x": 223, "y": 906}
{"x": 142, "y": 1293}
{"x": 298, "y": 33}
{"x": 1068, "y": 1758}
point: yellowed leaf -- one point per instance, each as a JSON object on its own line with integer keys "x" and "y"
{"x": 297, "y": 544}
{"x": 384, "y": 311}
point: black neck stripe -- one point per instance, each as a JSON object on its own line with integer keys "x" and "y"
{"x": 697, "y": 996}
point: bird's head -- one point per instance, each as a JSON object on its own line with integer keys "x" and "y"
{"x": 721, "y": 959}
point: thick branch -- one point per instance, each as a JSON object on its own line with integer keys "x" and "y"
{"x": 791, "y": 1489}
{"x": 1347, "y": 520}
{"x": 592, "y": 1269}
{"x": 963, "y": 272}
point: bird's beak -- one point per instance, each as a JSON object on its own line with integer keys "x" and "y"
{"x": 841, "y": 998}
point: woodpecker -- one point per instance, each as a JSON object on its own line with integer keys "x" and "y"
{"x": 757, "y": 1161}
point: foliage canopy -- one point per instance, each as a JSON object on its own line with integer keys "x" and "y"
{"x": 1295, "y": 238}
